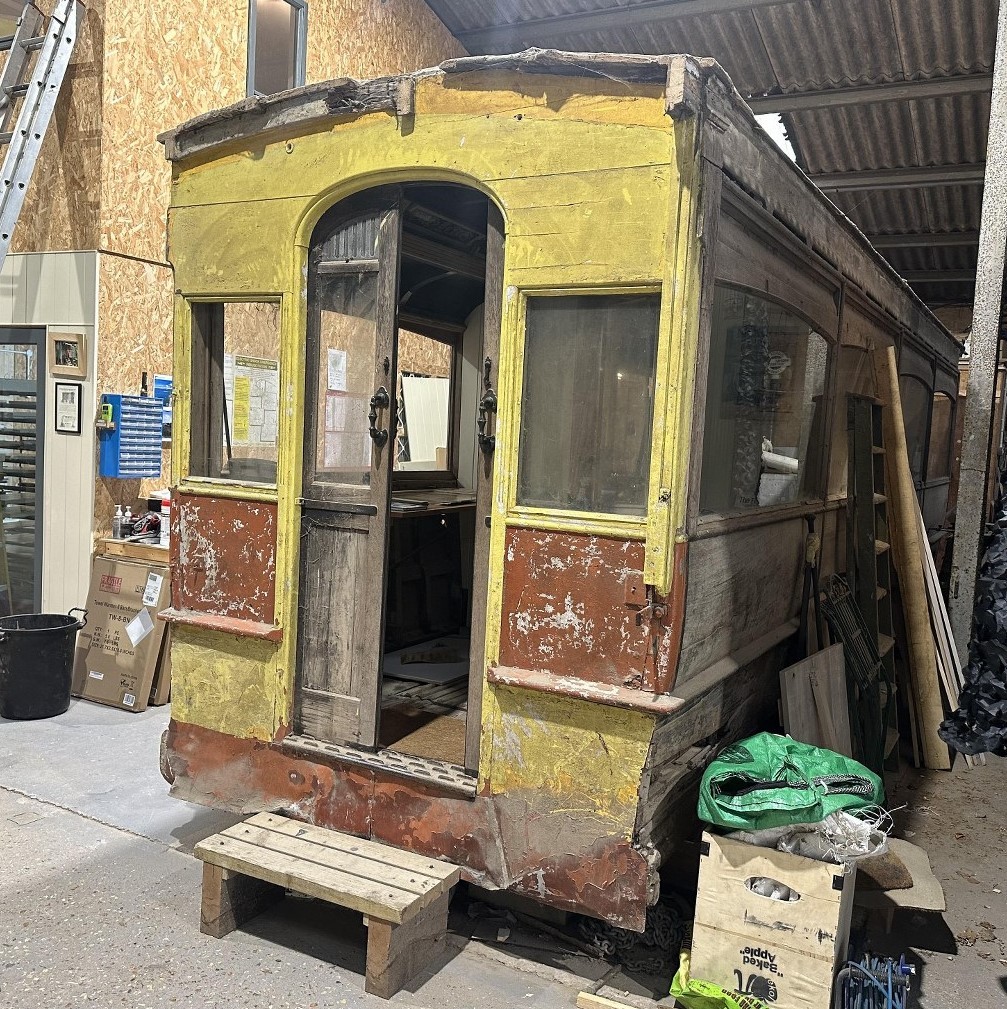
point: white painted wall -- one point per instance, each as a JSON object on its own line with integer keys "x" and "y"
{"x": 59, "y": 290}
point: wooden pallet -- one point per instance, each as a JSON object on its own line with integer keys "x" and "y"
{"x": 403, "y": 896}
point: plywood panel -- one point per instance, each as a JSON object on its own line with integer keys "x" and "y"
{"x": 360, "y": 38}
{"x": 134, "y": 336}
{"x": 61, "y": 205}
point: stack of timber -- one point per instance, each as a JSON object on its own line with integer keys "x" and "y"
{"x": 948, "y": 664}
{"x": 933, "y": 661}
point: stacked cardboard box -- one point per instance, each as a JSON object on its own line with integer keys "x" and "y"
{"x": 122, "y": 653}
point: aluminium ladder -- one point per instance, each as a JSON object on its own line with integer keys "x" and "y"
{"x": 34, "y": 99}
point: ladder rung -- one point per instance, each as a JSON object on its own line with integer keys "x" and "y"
{"x": 5, "y": 138}
{"x": 17, "y": 89}
{"x": 6, "y": 41}
{"x": 881, "y": 593}
{"x": 36, "y": 43}
{"x": 880, "y": 499}
{"x": 877, "y": 450}
{"x": 885, "y": 645}
{"x": 880, "y": 546}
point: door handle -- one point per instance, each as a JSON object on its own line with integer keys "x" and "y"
{"x": 379, "y": 401}
{"x": 487, "y": 405}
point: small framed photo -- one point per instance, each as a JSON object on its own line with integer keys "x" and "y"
{"x": 68, "y": 407}
{"x": 67, "y": 354}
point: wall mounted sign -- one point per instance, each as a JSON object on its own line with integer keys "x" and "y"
{"x": 67, "y": 354}
{"x": 68, "y": 407}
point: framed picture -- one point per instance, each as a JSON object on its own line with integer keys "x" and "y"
{"x": 67, "y": 354}
{"x": 68, "y": 405}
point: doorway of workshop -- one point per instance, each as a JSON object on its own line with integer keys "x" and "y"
{"x": 404, "y": 299}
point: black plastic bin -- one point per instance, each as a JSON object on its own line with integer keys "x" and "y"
{"x": 36, "y": 662}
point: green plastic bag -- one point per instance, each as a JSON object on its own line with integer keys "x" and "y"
{"x": 772, "y": 781}
{"x": 695, "y": 994}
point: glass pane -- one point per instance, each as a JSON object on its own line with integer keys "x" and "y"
{"x": 424, "y": 398}
{"x": 346, "y": 353}
{"x": 275, "y": 46}
{"x": 915, "y": 407}
{"x": 251, "y": 390}
{"x": 854, "y": 376}
{"x": 939, "y": 456}
{"x": 18, "y": 445}
{"x": 588, "y": 403}
{"x": 765, "y": 406}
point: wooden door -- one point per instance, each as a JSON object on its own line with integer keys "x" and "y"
{"x": 349, "y": 445}
{"x": 486, "y": 425}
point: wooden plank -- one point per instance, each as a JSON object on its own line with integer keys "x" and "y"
{"x": 815, "y": 705}
{"x": 292, "y": 873}
{"x": 230, "y": 899}
{"x": 408, "y": 861}
{"x": 423, "y": 888}
{"x": 904, "y": 526}
{"x": 589, "y": 1000}
{"x": 396, "y": 953}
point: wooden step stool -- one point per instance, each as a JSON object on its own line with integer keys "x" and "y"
{"x": 403, "y": 896}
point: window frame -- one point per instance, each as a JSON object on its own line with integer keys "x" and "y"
{"x": 628, "y": 527}
{"x": 768, "y": 513}
{"x": 204, "y": 433}
{"x": 300, "y": 46}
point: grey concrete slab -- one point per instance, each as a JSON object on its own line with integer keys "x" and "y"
{"x": 104, "y": 763}
{"x": 92, "y": 915}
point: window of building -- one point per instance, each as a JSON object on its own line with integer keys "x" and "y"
{"x": 277, "y": 40}
{"x": 588, "y": 403}
{"x": 235, "y": 390}
{"x": 916, "y": 398}
{"x": 765, "y": 406}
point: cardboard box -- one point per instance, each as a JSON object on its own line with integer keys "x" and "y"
{"x": 118, "y": 651}
{"x": 783, "y": 951}
{"x": 160, "y": 691}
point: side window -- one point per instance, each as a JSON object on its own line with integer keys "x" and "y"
{"x": 588, "y": 402}
{"x": 765, "y": 405}
{"x": 915, "y": 414}
{"x": 277, "y": 39}
{"x": 235, "y": 390}
{"x": 941, "y": 435}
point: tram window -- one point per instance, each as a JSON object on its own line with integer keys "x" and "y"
{"x": 765, "y": 405}
{"x": 941, "y": 433}
{"x": 915, "y": 398}
{"x": 588, "y": 403}
{"x": 235, "y": 390}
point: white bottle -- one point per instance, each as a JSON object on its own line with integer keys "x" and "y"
{"x": 165, "y": 519}
{"x": 127, "y": 523}
{"x": 117, "y": 524}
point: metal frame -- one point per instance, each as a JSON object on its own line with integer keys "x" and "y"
{"x": 300, "y": 44}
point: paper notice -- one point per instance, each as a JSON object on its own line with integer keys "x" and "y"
{"x": 139, "y": 627}
{"x": 242, "y": 407}
{"x": 337, "y": 370}
{"x": 152, "y": 591}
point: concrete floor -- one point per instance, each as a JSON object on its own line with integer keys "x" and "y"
{"x": 99, "y": 894}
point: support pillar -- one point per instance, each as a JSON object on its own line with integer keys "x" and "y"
{"x": 978, "y": 426}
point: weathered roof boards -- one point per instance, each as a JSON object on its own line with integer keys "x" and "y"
{"x": 528, "y": 366}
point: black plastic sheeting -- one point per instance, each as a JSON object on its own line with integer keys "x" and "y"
{"x": 980, "y": 723}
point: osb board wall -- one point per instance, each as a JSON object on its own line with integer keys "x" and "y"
{"x": 162, "y": 66}
{"x": 420, "y": 355}
{"x": 151, "y": 51}
{"x": 134, "y": 336}
{"x": 365, "y": 38}
{"x": 61, "y": 205}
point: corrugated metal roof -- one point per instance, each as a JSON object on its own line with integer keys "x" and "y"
{"x": 813, "y": 45}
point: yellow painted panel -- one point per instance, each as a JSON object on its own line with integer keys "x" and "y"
{"x": 590, "y": 756}
{"x": 225, "y": 683}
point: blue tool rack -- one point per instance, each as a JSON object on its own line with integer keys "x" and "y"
{"x": 133, "y": 448}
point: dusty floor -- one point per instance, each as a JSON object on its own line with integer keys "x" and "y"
{"x": 99, "y": 896}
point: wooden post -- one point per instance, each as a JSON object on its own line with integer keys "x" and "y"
{"x": 903, "y": 523}
{"x": 396, "y": 953}
{"x": 977, "y": 433}
{"x": 230, "y": 899}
